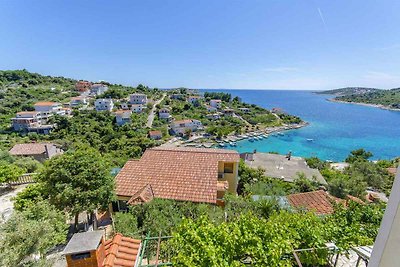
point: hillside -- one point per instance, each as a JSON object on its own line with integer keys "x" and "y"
{"x": 349, "y": 91}
{"x": 20, "y": 89}
{"x": 384, "y": 98}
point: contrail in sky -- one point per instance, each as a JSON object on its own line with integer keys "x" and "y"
{"x": 321, "y": 16}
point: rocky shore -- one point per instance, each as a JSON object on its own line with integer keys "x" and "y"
{"x": 208, "y": 142}
{"x": 364, "y": 104}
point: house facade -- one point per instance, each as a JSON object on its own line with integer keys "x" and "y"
{"x": 193, "y": 99}
{"x": 78, "y": 101}
{"x": 216, "y": 103}
{"x": 48, "y": 109}
{"x": 138, "y": 99}
{"x": 180, "y": 127}
{"x": 90, "y": 249}
{"x": 244, "y": 110}
{"x": 104, "y": 104}
{"x": 164, "y": 113}
{"x": 155, "y": 135}
{"x": 30, "y": 121}
{"x": 167, "y": 172}
{"x": 123, "y": 116}
{"x": 177, "y": 96}
{"x": 137, "y": 108}
{"x": 211, "y": 109}
{"x": 98, "y": 89}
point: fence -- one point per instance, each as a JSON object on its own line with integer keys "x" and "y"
{"x": 27, "y": 178}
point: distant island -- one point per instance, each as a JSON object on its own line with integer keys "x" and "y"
{"x": 381, "y": 98}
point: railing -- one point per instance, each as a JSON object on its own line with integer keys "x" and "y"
{"x": 147, "y": 252}
{"x": 27, "y": 178}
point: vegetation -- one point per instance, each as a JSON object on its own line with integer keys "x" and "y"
{"x": 270, "y": 241}
{"x": 34, "y": 230}
{"x": 98, "y": 130}
{"x": 349, "y": 91}
{"x": 360, "y": 175}
{"x": 386, "y": 98}
{"x": 78, "y": 181}
{"x": 20, "y": 89}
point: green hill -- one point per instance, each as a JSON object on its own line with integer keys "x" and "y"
{"x": 349, "y": 91}
{"x": 386, "y": 98}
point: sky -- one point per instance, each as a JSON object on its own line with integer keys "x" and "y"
{"x": 254, "y": 44}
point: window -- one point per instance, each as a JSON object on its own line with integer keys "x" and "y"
{"x": 80, "y": 256}
{"x": 122, "y": 205}
{"x": 228, "y": 168}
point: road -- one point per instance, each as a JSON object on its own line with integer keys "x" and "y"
{"x": 150, "y": 119}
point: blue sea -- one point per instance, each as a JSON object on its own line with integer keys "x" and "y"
{"x": 336, "y": 128}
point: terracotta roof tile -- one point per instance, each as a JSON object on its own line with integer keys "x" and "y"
{"x": 188, "y": 174}
{"x": 28, "y": 113}
{"x": 44, "y": 103}
{"x": 121, "y": 251}
{"x": 155, "y": 133}
{"x": 318, "y": 201}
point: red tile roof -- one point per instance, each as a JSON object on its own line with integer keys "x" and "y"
{"x": 121, "y": 251}
{"x": 145, "y": 195}
{"x": 318, "y": 201}
{"x": 187, "y": 174}
{"x": 155, "y": 133}
{"x": 43, "y": 103}
{"x": 28, "y": 113}
{"x": 182, "y": 121}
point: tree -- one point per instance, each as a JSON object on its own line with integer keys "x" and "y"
{"x": 78, "y": 181}
{"x": 34, "y": 230}
{"x": 9, "y": 172}
{"x": 303, "y": 185}
{"x": 29, "y": 196}
{"x": 358, "y": 155}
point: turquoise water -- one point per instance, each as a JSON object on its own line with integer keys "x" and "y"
{"x": 335, "y": 127}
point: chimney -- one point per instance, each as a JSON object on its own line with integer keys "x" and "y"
{"x": 85, "y": 250}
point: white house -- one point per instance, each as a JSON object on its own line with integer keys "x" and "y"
{"x": 180, "y": 127}
{"x": 155, "y": 135}
{"x": 137, "y": 108}
{"x": 216, "y": 103}
{"x": 164, "y": 113}
{"x": 30, "y": 121}
{"x": 244, "y": 110}
{"x": 98, "y": 89}
{"x": 177, "y": 96}
{"x": 214, "y": 116}
{"x": 78, "y": 101}
{"x": 138, "y": 99}
{"x": 47, "y": 109}
{"x": 124, "y": 105}
{"x": 104, "y": 104}
{"x": 123, "y": 116}
{"x": 211, "y": 109}
{"x": 193, "y": 99}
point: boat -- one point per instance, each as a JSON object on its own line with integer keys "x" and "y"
{"x": 251, "y": 139}
{"x": 222, "y": 144}
{"x": 232, "y": 143}
{"x": 281, "y": 134}
{"x": 310, "y": 139}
